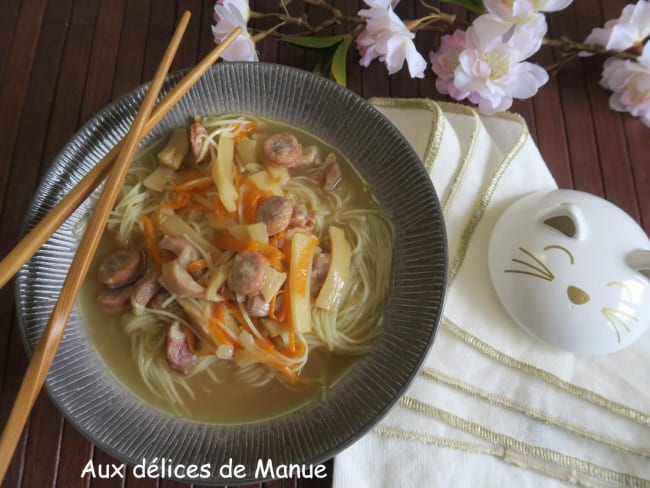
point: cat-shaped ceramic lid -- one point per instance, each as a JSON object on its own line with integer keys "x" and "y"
{"x": 573, "y": 270}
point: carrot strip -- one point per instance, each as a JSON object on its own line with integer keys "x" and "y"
{"x": 225, "y": 240}
{"x": 219, "y": 312}
{"x": 275, "y": 239}
{"x": 291, "y": 329}
{"x": 283, "y": 314}
{"x": 220, "y": 211}
{"x": 242, "y": 132}
{"x": 185, "y": 177}
{"x": 237, "y": 179}
{"x": 218, "y": 333}
{"x": 179, "y": 201}
{"x": 253, "y": 198}
{"x": 302, "y": 273}
{"x": 205, "y": 204}
{"x": 197, "y": 185}
{"x": 191, "y": 344}
{"x": 150, "y": 241}
{"x": 197, "y": 265}
{"x": 282, "y": 368}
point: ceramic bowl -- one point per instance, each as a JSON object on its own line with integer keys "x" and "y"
{"x": 109, "y": 415}
{"x": 573, "y": 270}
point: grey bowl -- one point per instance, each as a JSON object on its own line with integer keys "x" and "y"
{"x": 100, "y": 408}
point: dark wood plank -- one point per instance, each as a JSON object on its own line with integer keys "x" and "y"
{"x": 174, "y": 484}
{"x": 548, "y": 127}
{"x": 31, "y": 134}
{"x": 581, "y": 138}
{"x": 268, "y": 49}
{"x": 46, "y": 423}
{"x": 161, "y": 28}
{"x": 618, "y": 176}
{"x": 102, "y": 458}
{"x": 425, "y": 42}
{"x": 187, "y": 51}
{"x": 206, "y": 39}
{"x": 133, "y": 38}
{"x": 42, "y": 450}
{"x": 133, "y": 482}
{"x": 636, "y": 135}
{"x": 16, "y": 364}
{"x": 8, "y": 23}
{"x": 576, "y": 111}
{"x": 23, "y": 177}
{"x": 610, "y": 137}
{"x": 401, "y": 84}
{"x": 103, "y": 58}
{"x": 354, "y": 78}
{"x": 76, "y": 451}
{"x": 16, "y": 79}
{"x": 319, "y": 482}
{"x": 72, "y": 78}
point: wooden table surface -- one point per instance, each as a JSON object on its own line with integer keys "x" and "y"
{"x": 63, "y": 60}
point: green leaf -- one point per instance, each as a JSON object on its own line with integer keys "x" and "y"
{"x": 313, "y": 42}
{"x": 339, "y": 60}
{"x": 324, "y": 62}
{"x": 475, "y": 6}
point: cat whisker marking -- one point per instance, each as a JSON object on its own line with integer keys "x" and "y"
{"x": 621, "y": 312}
{"x": 537, "y": 260}
{"x": 613, "y": 316}
{"x": 614, "y": 326}
{"x": 528, "y": 273}
{"x": 539, "y": 270}
{"x": 619, "y": 322}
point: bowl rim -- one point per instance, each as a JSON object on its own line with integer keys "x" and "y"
{"x": 57, "y": 162}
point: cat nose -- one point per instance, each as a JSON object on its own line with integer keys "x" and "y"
{"x": 577, "y": 296}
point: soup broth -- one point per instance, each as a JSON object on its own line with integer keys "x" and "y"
{"x": 228, "y": 389}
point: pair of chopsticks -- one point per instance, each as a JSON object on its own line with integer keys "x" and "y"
{"x": 119, "y": 159}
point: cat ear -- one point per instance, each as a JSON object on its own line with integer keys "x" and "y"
{"x": 639, "y": 260}
{"x": 565, "y": 218}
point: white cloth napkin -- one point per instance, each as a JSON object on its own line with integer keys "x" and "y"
{"x": 493, "y": 406}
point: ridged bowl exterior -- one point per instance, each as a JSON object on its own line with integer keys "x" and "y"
{"x": 105, "y": 412}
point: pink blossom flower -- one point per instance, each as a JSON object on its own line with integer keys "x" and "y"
{"x": 630, "y": 82}
{"x": 630, "y": 29}
{"x": 525, "y": 36}
{"x": 517, "y": 11}
{"x": 445, "y": 62}
{"x": 387, "y": 38}
{"x": 228, "y": 15}
{"x": 493, "y": 72}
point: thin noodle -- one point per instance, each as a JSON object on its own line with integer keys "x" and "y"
{"x": 349, "y": 330}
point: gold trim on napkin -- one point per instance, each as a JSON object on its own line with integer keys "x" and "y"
{"x": 541, "y": 459}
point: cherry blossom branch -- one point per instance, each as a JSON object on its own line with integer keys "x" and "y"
{"x": 571, "y": 50}
{"x": 431, "y": 21}
{"x": 495, "y": 46}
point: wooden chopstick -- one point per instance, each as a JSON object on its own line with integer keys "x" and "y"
{"x": 49, "y": 342}
{"x": 32, "y": 242}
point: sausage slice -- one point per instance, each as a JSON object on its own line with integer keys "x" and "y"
{"x": 115, "y": 300}
{"x": 247, "y": 273}
{"x": 179, "y": 281}
{"x": 157, "y": 304}
{"x": 283, "y": 150}
{"x": 276, "y": 213}
{"x": 178, "y": 354}
{"x": 332, "y": 175}
{"x": 198, "y": 135}
{"x": 257, "y": 307}
{"x": 319, "y": 270}
{"x": 122, "y": 267}
{"x": 145, "y": 289}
